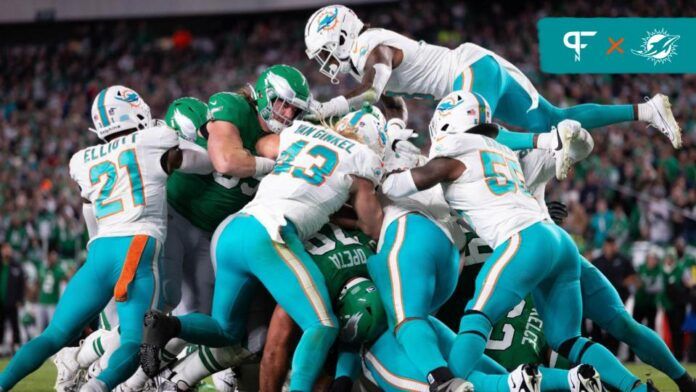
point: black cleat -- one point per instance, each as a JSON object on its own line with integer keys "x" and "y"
{"x": 651, "y": 386}
{"x": 158, "y": 329}
{"x": 686, "y": 383}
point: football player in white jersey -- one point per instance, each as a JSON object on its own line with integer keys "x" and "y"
{"x": 122, "y": 183}
{"x": 483, "y": 181}
{"x": 386, "y": 63}
{"x": 316, "y": 172}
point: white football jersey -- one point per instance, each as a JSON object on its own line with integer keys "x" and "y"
{"x": 429, "y": 71}
{"x": 539, "y": 167}
{"x": 491, "y": 195}
{"x": 311, "y": 179}
{"x": 125, "y": 182}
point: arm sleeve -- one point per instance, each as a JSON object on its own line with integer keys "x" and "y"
{"x": 348, "y": 364}
{"x": 367, "y": 164}
{"x": 76, "y": 175}
{"x": 195, "y": 158}
{"x": 90, "y": 219}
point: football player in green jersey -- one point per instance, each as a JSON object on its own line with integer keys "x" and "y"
{"x": 232, "y": 128}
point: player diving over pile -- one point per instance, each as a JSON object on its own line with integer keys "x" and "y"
{"x": 388, "y": 65}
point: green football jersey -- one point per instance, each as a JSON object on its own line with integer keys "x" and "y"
{"x": 340, "y": 255}
{"x": 206, "y": 200}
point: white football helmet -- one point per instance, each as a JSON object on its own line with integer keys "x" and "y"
{"x": 117, "y": 109}
{"x": 458, "y": 112}
{"x": 330, "y": 33}
{"x": 369, "y": 125}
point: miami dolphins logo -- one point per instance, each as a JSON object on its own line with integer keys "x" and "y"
{"x": 129, "y": 96}
{"x": 327, "y": 20}
{"x": 448, "y": 104}
{"x": 658, "y": 46}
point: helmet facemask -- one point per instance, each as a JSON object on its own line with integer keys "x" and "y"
{"x": 330, "y": 64}
{"x": 279, "y": 96}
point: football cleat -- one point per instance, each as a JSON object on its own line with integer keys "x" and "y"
{"x": 453, "y": 385}
{"x": 584, "y": 378}
{"x": 525, "y": 378}
{"x": 225, "y": 381}
{"x": 651, "y": 386}
{"x": 686, "y": 383}
{"x": 663, "y": 119}
{"x": 158, "y": 329}
{"x": 566, "y": 131}
{"x": 94, "y": 385}
{"x": 68, "y": 369}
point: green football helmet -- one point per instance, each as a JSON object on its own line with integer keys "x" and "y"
{"x": 186, "y": 115}
{"x": 285, "y": 83}
{"x": 361, "y": 315}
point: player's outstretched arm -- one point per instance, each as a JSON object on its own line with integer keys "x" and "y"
{"x": 436, "y": 171}
{"x": 228, "y": 155}
{"x": 367, "y": 206}
{"x": 187, "y": 157}
{"x": 378, "y": 69}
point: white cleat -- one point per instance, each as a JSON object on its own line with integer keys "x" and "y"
{"x": 454, "y": 385}
{"x": 565, "y": 132}
{"x": 663, "y": 118}
{"x": 68, "y": 369}
{"x": 225, "y": 381}
{"x": 525, "y": 378}
{"x": 584, "y": 378}
{"x": 94, "y": 385}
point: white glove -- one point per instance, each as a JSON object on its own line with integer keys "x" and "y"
{"x": 337, "y": 106}
{"x": 397, "y": 139}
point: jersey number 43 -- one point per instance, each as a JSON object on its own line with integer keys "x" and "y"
{"x": 315, "y": 174}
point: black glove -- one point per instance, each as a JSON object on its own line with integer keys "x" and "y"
{"x": 341, "y": 384}
{"x": 557, "y": 210}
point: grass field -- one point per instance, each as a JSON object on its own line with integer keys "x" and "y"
{"x": 43, "y": 379}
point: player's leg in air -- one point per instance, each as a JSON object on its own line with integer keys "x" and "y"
{"x": 514, "y": 100}
{"x": 512, "y": 268}
{"x": 415, "y": 272}
{"x": 99, "y": 275}
{"x": 602, "y": 304}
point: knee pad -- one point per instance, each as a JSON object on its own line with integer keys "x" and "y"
{"x": 477, "y": 323}
{"x": 574, "y": 348}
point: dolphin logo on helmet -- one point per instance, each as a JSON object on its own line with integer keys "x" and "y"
{"x": 330, "y": 35}
{"x": 328, "y": 20}
{"x": 458, "y": 112}
{"x": 117, "y": 109}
